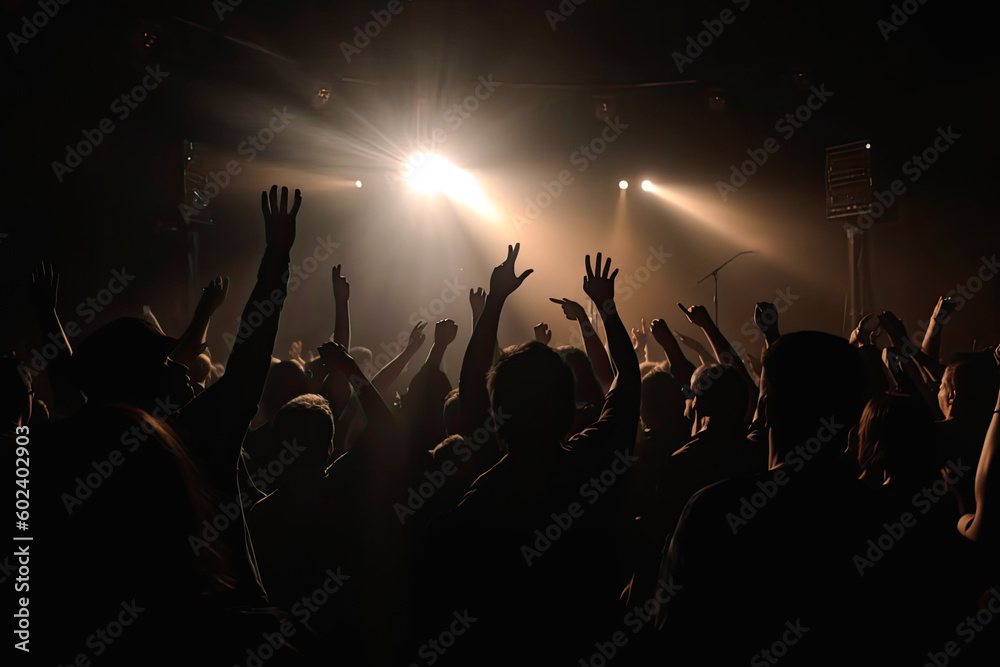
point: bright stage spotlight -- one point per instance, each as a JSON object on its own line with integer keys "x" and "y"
{"x": 647, "y": 186}
{"x": 623, "y": 185}
{"x": 429, "y": 173}
{"x": 357, "y": 184}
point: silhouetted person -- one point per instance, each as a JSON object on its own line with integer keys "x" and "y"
{"x": 547, "y": 597}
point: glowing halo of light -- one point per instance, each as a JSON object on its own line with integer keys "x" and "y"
{"x": 430, "y": 173}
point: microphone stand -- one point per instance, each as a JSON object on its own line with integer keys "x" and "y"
{"x": 715, "y": 274}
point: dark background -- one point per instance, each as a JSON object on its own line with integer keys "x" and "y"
{"x": 938, "y": 70}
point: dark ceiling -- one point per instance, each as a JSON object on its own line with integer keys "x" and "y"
{"x": 229, "y": 66}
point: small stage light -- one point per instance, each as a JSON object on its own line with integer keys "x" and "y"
{"x": 357, "y": 183}
{"x": 623, "y": 185}
{"x": 605, "y": 108}
{"x": 647, "y": 186}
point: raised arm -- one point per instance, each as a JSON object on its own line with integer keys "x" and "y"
{"x": 335, "y": 387}
{"x": 192, "y": 341}
{"x": 724, "y": 352}
{"x": 595, "y": 349}
{"x": 600, "y": 287}
{"x": 681, "y": 368}
{"x": 765, "y": 318}
{"x": 381, "y": 423}
{"x": 445, "y": 332}
{"x": 44, "y": 295}
{"x": 639, "y": 339}
{"x": 477, "y": 301}
{"x": 861, "y": 335}
{"x": 542, "y": 333}
{"x": 221, "y": 414}
{"x": 704, "y": 356}
{"x": 896, "y": 331}
{"x": 250, "y": 359}
{"x": 341, "y": 297}
{"x": 473, "y": 395}
{"x": 931, "y": 345}
{"x": 983, "y": 525}
{"x": 389, "y": 373}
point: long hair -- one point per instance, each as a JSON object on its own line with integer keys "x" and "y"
{"x": 211, "y": 560}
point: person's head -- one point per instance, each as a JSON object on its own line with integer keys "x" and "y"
{"x": 421, "y": 412}
{"x": 127, "y": 361}
{"x": 304, "y": 426}
{"x": 285, "y": 381}
{"x": 720, "y": 393}
{"x": 15, "y": 392}
{"x": 455, "y": 449}
{"x": 895, "y": 440}
{"x": 532, "y": 388}
{"x": 587, "y": 388}
{"x": 969, "y": 387}
{"x": 363, "y": 358}
{"x": 662, "y": 402}
{"x": 647, "y": 367}
{"x": 813, "y": 386}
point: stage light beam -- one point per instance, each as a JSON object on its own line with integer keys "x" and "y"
{"x": 429, "y": 173}
{"x": 647, "y": 186}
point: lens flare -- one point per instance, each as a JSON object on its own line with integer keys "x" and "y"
{"x": 429, "y": 173}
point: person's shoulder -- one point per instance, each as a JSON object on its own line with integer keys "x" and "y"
{"x": 494, "y": 480}
{"x": 724, "y": 493}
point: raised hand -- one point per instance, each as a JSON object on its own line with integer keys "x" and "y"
{"x": 477, "y": 299}
{"x": 572, "y": 310}
{"x": 765, "y": 316}
{"x": 697, "y": 315}
{"x": 504, "y": 280}
{"x": 341, "y": 288}
{"x": 214, "y": 295}
{"x": 44, "y": 287}
{"x": 295, "y": 352}
{"x": 417, "y": 337}
{"x": 943, "y": 309}
{"x": 335, "y": 357}
{"x": 660, "y": 330}
{"x": 279, "y": 222}
{"x": 866, "y": 326}
{"x": 542, "y": 333}
{"x": 640, "y": 335}
{"x": 445, "y": 332}
{"x": 893, "y": 327}
{"x": 598, "y": 285}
